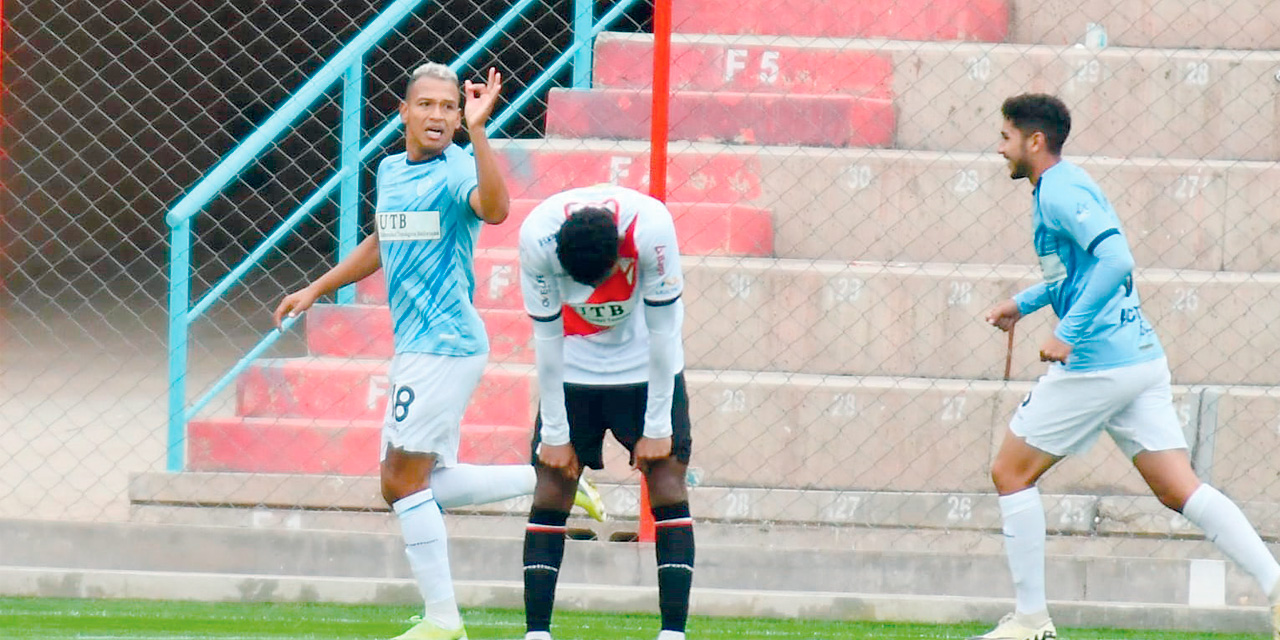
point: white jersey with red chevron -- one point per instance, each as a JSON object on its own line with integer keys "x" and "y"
{"x": 606, "y": 341}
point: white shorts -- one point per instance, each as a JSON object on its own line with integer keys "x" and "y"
{"x": 1067, "y": 410}
{"x": 429, "y": 394}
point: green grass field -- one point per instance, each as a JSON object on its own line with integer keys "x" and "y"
{"x": 135, "y": 620}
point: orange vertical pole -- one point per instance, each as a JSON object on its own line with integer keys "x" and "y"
{"x": 657, "y": 172}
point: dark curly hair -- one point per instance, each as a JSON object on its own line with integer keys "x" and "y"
{"x": 587, "y": 245}
{"x": 1032, "y": 112}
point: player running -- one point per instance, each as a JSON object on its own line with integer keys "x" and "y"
{"x": 431, "y": 201}
{"x": 1107, "y": 372}
{"x": 600, "y": 273}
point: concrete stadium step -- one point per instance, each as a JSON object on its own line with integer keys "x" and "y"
{"x": 745, "y": 118}
{"x": 704, "y": 228}
{"x": 701, "y": 64}
{"x": 1100, "y": 524}
{"x": 883, "y": 205}
{"x": 1162, "y": 103}
{"x": 758, "y": 429}
{"x": 986, "y": 20}
{"x": 1200, "y": 24}
{"x": 364, "y": 331}
{"x": 921, "y": 320}
{"x": 346, "y": 447}
{"x": 342, "y": 389}
{"x": 332, "y": 554}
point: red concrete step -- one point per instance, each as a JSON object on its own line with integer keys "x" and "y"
{"x": 338, "y": 389}
{"x": 743, "y": 118}
{"x": 626, "y": 61}
{"x": 704, "y": 228}
{"x": 973, "y": 20}
{"x": 344, "y": 447}
{"x": 691, "y": 176}
{"x": 364, "y": 331}
{"x": 497, "y": 277}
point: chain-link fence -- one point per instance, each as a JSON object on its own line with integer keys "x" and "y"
{"x": 846, "y": 219}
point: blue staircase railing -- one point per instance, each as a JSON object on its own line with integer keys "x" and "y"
{"x": 348, "y": 63}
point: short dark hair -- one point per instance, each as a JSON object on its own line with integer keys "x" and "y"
{"x": 587, "y": 244}
{"x": 1032, "y": 112}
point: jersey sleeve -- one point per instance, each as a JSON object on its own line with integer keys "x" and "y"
{"x": 462, "y": 180}
{"x": 1075, "y": 212}
{"x": 661, "y": 277}
{"x": 538, "y": 285}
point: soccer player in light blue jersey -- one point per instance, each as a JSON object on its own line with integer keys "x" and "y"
{"x": 1107, "y": 372}
{"x": 431, "y": 201}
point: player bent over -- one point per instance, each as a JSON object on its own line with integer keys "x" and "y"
{"x": 1107, "y": 372}
{"x": 600, "y": 274}
{"x": 431, "y": 200}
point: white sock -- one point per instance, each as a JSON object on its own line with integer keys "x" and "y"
{"x": 667, "y": 634}
{"x": 1024, "y": 536}
{"x": 1226, "y": 526}
{"x": 427, "y": 546}
{"x": 466, "y": 484}
{"x": 537, "y": 635}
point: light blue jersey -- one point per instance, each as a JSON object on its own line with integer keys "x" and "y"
{"x": 427, "y": 235}
{"x": 1087, "y": 271}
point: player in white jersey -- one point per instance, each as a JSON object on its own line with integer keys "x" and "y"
{"x": 431, "y": 201}
{"x": 600, "y": 273}
{"x": 1107, "y": 372}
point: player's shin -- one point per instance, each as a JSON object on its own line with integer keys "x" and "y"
{"x": 1228, "y": 528}
{"x": 427, "y": 548}
{"x": 675, "y": 551}
{"x": 543, "y": 552}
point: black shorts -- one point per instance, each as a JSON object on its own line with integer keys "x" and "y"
{"x": 595, "y": 409}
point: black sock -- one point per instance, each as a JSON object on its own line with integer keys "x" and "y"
{"x": 675, "y": 563}
{"x": 543, "y": 551}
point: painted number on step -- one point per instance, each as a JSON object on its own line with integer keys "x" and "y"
{"x": 1186, "y": 300}
{"x": 1190, "y": 186}
{"x": 1087, "y": 72}
{"x": 1074, "y": 512}
{"x": 843, "y": 405}
{"x": 736, "y": 61}
{"x": 739, "y": 285}
{"x": 858, "y": 176}
{"x": 978, "y": 68}
{"x": 844, "y": 290}
{"x": 619, "y": 169}
{"x": 1195, "y": 74}
{"x": 499, "y": 281}
{"x": 966, "y": 182}
{"x": 733, "y": 401}
{"x": 737, "y": 505}
{"x": 961, "y": 294}
{"x": 378, "y": 387}
{"x": 953, "y": 408}
{"x": 843, "y": 509}
{"x": 959, "y": 508}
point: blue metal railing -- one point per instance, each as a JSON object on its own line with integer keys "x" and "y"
{"x": 348, "y": 63}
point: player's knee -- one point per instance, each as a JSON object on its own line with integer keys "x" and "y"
{"x": 397, "y": 486}
{"x": 667, "y": 486}
{"x": 1009, "y": 478}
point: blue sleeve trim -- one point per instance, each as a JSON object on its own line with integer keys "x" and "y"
{"x": 1102, "y": 236}
{"x": 552, "y": 318}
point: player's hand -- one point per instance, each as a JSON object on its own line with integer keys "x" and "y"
{"x": 559, "y": 456}
{"x": 1054, "y": 350}
{"x": 1004, "y": 315}
{"x": 648, "y": 450}
{"x": 295, "y": 303}
{"x": 480, "y": 100}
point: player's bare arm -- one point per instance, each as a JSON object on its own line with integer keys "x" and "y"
{"x": 1004, "y": 315}
{"x": 489, "y": 199}
{"x": 358, "y": 265}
